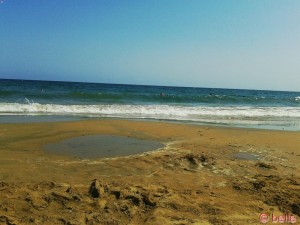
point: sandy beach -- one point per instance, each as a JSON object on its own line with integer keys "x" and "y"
{"x": 202, "y": 175}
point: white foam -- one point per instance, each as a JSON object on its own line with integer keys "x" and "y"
{"x": 198, "y": 113}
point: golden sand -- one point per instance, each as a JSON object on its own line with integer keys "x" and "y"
{"x": 194, "y": 179}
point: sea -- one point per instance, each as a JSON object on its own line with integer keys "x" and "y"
{"x": 48, "y": 101}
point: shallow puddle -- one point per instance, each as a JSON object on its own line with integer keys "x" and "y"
{"x": 94, "y": 146}
{"x": 245, "y": 156}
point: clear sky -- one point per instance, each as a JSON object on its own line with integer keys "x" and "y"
{"x": 251, "y": 44}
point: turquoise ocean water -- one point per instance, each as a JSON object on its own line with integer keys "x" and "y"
{"x": 22, "y": 101}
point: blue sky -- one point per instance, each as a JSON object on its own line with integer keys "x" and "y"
{"x": 251, "y": 44}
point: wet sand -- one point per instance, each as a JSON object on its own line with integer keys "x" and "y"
{"x": 195, "y": 178}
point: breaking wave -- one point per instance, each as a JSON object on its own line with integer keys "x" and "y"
{"x": 192, "y": 113}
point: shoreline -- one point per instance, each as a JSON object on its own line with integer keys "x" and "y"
{"x": 19, "y": 119}
{"x": 194, "y": 179}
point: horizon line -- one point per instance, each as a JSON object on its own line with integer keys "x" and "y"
{"x": 155, "y": 85}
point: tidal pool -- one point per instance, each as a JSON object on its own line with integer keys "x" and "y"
{"x": 245, "y": 156}
{"x": 97, "y": 146}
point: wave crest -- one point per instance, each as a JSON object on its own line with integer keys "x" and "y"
{"x": 149, "y": 111}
